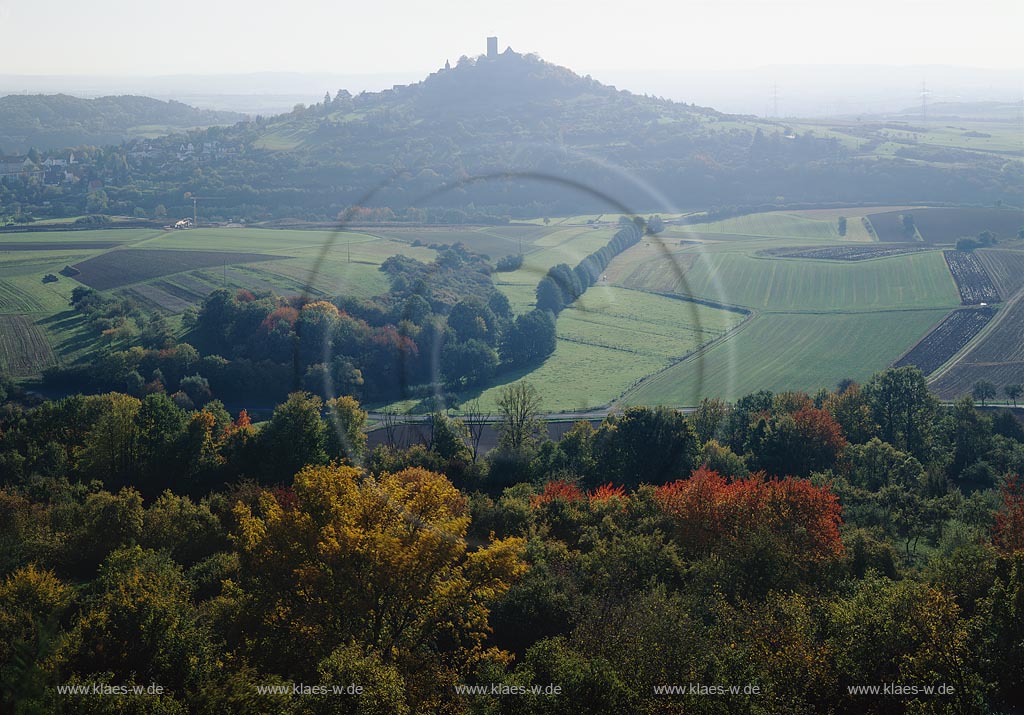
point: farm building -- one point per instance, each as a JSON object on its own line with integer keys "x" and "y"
{"x": 184, "y": 223}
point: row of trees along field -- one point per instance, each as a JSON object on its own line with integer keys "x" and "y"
{"x": 442, "y": 323}
{"x": 563, "y": 285}
{"x": 805, "y": 544}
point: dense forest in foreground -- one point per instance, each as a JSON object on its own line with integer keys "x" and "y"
{"x": 795, "y": 546}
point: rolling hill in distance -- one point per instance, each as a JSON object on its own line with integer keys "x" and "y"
{"x": 46, "y": 122}
{"x": 801, "y": 90}
{"x": 518, "y": 113}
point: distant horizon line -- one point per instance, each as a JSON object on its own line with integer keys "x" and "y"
{"x": 383, "y": 73}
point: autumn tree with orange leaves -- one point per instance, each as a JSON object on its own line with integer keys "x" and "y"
{"x": 709, "y": 513}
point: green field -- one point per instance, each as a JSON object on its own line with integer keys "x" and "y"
{"x": 886, "y": 136}
{"x": 855, "y": 229}
{"x": 569, "y": 245}
{"x": 492, "y": 241}
{"x": 738, "y": 277}
{"x": 1002, "y": 136}
{"x": 772, "y": 224}
{"x": 814, "y": 322}
{"x": 600, "y": 219}
{"x": 789, "y": 352}
{"x": 642, "y": 324}
{"x": 28, "y": 294}
{"x": 334, "y": 275}
{"x": 70, "y": 238}
{"x": 611, "y": 339}
{"x": 39, "y": 263}
{"x": 24, "y": 348}
{"x": 361, "y": 246}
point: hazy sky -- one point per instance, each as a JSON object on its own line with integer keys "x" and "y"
{"x": 146, "y": 37}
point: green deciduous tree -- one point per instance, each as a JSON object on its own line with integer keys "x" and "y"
{"x": 472, "y": 320}
{"x": 646, "y": 445}
{"x": 138, "y": 623}
{"x": 1014, "y": 392}
{"x": 346, "y": 425}
{"x": 467, "y": 364}
{"x": 902, "y": 632}
{"x": 549, "y": 295}
{"x": 449, "y": 437}
{"x": 797, "y": 443}
{"x": 970, "y": 434}
{"x": 903, "y": 408}
{"x": 877, "y": 464}
{"x": 104, "y": 522}
{"x": 112, "y": 448}
{"x": 518, "y": 409}
{"x": 296, "y": 436}
{"x": 983, "y": 390}
{"x": 33, "y": 602}
{"x": 530, "y": 339}
{"x": 188, "y": 531}
{"x": 708, "y": 418}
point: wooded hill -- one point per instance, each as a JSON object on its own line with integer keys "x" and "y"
{"x": 565, "y": 144}
{"x": 515, "y": 136}
{"x": 59, "y": 121}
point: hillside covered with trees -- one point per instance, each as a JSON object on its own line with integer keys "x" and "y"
{"x": 508, "y": 136}
{"x": 60, "y": 121}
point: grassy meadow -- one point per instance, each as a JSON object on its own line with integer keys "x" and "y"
{"x": 738, "y": 273}
{"x": 789, "y": 352}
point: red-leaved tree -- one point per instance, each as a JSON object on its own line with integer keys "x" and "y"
{"x": 558, "y": 489}
{"x": 1008, "y": 533}
{"x": 709, "y": 512}
{"x": 607, "y": 492}
{"x": 284, "y": 315}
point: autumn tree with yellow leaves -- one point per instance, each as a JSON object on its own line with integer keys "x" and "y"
{"x": 343, "y": 558}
